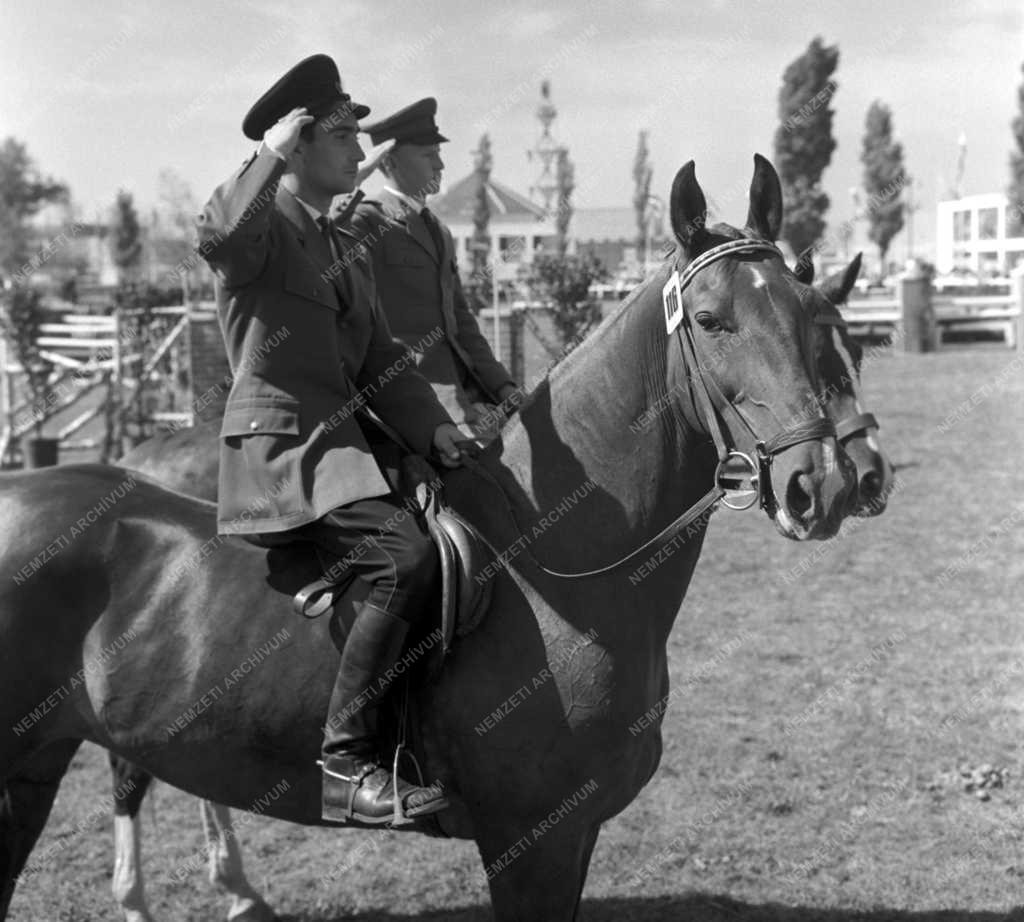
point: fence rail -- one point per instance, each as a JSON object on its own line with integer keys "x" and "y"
{"x": 103, "y": 361}
{"x": 949, "y": 314}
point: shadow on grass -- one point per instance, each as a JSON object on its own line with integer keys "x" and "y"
{"x": 693, "y": 907}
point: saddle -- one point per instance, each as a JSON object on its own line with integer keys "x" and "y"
{"x": 464, "y": 599}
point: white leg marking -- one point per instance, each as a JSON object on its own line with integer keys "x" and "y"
{"x": 127, "y": 885}
{"x": 226, "y": 869}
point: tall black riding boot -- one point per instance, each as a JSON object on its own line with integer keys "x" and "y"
{"x": 356, "y": 783}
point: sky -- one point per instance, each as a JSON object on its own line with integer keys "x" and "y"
{"x": 108, "y": 94}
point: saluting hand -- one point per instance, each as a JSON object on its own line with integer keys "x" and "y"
{"x": 284, "y": 134}
{"x": 372, "y": 162}
{"x": 446, "y": 439}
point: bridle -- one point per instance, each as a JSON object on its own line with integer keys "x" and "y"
{"x": 713, "y": 406}
{"x": 858, "y": 423}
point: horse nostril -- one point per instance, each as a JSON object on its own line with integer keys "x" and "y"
{"x": 870, "y": 485}
{"x": 798, "y": 498}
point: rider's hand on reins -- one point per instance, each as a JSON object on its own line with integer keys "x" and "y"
{"x": 446, "y": 444}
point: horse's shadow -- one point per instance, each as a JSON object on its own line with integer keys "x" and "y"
{"x": 693, "y": 907}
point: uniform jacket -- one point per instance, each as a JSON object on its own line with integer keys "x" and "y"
{"x": 308, "y": 344}
{"x": 425, "y": 304}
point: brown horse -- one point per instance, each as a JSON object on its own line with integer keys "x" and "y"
{"x": 839, "y": 363}
{"x": 557, "y": 678}
{"x": 187, "y": 459}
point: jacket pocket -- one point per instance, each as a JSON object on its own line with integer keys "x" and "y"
{"x": 258, "y": 418}
{"x": 406, "y": 253}
{"x": 311, "y": 285}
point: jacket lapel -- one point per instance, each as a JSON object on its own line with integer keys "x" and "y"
{"x": 314, "y": 244}
{"x": 403, "y": 214}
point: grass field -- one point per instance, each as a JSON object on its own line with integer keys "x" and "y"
{"x": 828, "y": 696}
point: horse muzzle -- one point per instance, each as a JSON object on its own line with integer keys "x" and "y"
{"x": 812, "y": 486}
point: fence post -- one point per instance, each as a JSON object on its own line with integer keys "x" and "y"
{"x": 917, "y": 316}
{"x": 1017, "y": 291}
{"x": 6, "y": 403}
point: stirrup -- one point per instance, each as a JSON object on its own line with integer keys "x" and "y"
{"x": 399, "y": 817}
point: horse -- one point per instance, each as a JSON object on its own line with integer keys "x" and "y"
{"x": 839, "y": 358}
{"x": 187, "y": 459}
{"x": 632, "y": 426}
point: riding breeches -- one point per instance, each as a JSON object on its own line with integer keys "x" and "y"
{"x": 381, "y": 541}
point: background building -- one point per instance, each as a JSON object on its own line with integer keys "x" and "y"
{"x": 971, "y": 236}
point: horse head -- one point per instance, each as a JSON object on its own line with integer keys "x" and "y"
{"x": 737, "y": 299}
{"x": 839, "y": 359}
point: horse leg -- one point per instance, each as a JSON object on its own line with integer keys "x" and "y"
{"x": 226, "y": 869}
{"x": 25, "y": 802}
{"x": 130, "y": 786}
{"x": 539, "y": 874}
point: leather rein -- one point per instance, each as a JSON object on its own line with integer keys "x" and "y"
{"x": 713, "y": 406}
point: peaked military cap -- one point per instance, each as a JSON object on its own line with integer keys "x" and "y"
{"x": 412, "y": 125}
{"x": 314, "y": 84}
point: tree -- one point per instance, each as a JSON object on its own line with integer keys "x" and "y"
{"x": 565, "y": 182}
{"x": 804, "y": 142}
{"x": 478, "y": 291}
{"x": 23, "y": 191}
{"x": 174, "y": 235}
{"x": 884, "y": 178}
{"x": 21, "y": 313}
{"x": 1015, "y": 193}
{"x": 565, "y": 281}
{"x": 643, "y": 173}
{"x": 126, "y": 236}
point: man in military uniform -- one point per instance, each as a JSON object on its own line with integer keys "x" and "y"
{"x": 308, "y": 344}
{"x": 417, "y": 274}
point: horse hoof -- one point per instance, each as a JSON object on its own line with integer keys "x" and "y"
{"x": 252, "y": 911}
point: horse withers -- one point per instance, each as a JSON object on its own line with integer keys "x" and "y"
{"x": 575, "y": 484}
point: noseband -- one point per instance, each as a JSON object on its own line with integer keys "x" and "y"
{"x": 858, "y": 423}
{"x": 713, "y": 403}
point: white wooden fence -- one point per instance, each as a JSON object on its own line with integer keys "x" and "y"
{"x": 101, "y": 362}
{"x": 962, "y": 314}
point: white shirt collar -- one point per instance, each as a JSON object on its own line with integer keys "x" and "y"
{"x": 406, "y": 200}
{"x": 311, "y": 211}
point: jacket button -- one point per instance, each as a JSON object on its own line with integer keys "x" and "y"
{"x": 254, "y": 425}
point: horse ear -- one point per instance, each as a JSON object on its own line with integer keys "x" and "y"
{"x": 689, "y": 209}
{"x": 804, "y": 268}
{"x": 765, "y": 215}
{"x": 838, "y": 285}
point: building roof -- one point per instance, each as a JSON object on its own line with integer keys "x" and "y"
{"x": 457, "y": 203}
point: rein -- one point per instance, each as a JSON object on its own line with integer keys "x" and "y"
{"x": 713, "y": 404}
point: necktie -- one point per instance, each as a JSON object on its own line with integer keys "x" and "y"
{"x": 326, "y": 232}
{"x": 435, "y": 231}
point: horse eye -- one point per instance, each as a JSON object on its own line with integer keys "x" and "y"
{"x": 707, "y": 321}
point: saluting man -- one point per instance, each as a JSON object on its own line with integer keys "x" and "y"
{"x": 418, "y": 278}
{"x": 308, "y": 342}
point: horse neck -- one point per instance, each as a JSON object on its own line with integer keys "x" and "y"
{"x": 605, "y": 421}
